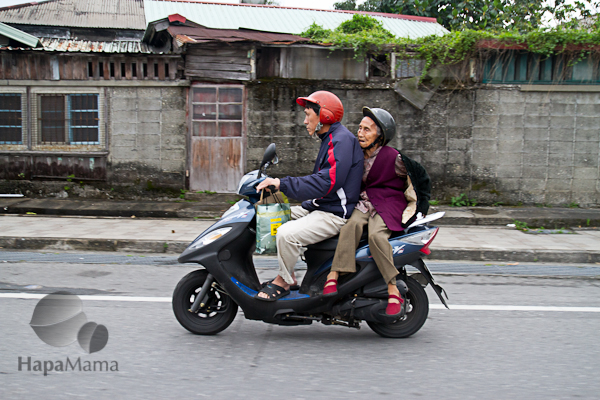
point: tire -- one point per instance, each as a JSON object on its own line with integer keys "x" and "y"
{"x": 202, "y": 323}
{"x": 415, "y": 316}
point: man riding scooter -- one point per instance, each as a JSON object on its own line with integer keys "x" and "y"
{"x": 329, "y": 194}
{"x": 388, "y": 202}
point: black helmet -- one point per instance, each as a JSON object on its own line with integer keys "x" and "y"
{"x": 384, "y": 120}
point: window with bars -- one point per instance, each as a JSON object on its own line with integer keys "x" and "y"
{"x": 11, "y": 118}
{"x": 217, "y": 111}
{"x": 68, "y": 119}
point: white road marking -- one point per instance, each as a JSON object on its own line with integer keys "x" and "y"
{"x": 513, "y": 308}
{"x": 466, "y": 307}
{"x": 87, "y": 297}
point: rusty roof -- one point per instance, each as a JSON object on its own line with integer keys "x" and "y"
{"x": 202, "y": 34}
{"x": 116, "y": 14}
{"x": 86, "y": 46}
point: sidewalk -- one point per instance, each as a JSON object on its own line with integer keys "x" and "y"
{"x": 213, "y": 206}
{"x": 172, "y": 235}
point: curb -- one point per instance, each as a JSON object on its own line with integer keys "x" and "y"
{"x": 176, "y": 247}
{"x": 542, "y": 256}
{"x": 133, "y": 246}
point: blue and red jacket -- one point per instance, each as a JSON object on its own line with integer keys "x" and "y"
{"x": 334, "y": 185}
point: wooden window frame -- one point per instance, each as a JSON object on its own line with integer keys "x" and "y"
{"x": 242, "y": 103}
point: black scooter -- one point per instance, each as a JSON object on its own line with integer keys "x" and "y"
{"x": 205, "y": 301}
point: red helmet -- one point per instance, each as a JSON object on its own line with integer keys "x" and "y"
{"x": 332, "y": 109}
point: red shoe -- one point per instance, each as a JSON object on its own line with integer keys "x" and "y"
{"x": 330, "y": 289}
{"x": 394, "y": 308}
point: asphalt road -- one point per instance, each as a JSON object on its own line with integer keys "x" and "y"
{"x": 473, "y": 351}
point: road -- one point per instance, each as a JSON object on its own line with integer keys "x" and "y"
{"x": 468, "y": 352}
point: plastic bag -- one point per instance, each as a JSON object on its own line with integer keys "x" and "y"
{"x": 270, "y": 215}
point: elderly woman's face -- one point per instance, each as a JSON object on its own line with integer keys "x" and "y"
{"x": 367, "y": 132}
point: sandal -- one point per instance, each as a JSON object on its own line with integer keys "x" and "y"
{"x": 394, "y": 309}
{"x": 292, "y": 287}
{"x": 330, "y": 288}
{"x": 273, "y": 291}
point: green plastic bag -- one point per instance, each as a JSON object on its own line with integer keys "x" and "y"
{"x": 269, "y": 217}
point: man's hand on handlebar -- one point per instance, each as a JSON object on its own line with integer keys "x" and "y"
{"x": 268, "y": 184}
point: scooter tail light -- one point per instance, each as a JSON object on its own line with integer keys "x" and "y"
{"x": 425, "y": 249}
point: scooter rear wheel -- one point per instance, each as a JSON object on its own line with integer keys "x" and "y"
{"x": 219, "y": 313}
{"x": 416, "y": 314}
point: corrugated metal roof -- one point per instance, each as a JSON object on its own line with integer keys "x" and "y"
{"x": 86, "y": 46}
{"x": 19, "y": 36}
{"x": 281, "y": 19}
{"x": 117, "y": 14}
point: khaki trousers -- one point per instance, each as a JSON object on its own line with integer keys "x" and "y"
{"x": 381, "y": 250}
{"x": 305, "y": 228}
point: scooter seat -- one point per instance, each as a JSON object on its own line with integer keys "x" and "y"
{"x": 326, "y": 245}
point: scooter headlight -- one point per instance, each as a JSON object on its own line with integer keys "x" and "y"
{"x": 210, "y": 237}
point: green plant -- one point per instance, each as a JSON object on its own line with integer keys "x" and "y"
{"x": 362, "y": 33}
{"x": 483, "y": 14}
{"x": 70, "y": 178}
{"x": 232, "y": 202}
{"x": 573, "y": 205}
{"x": 67, "y": 188}
{"x": 588, "y": 222}
{"x": 165, "y": 246}
{"x": 434, "y": 202}
{"x": 497, "y": 204}
{"x": 520, "y": 225}
{"x": 21, "y": 175}
{"x": 462, "y": 201}
{"x": 183, "y": 192}
{"x": 30, "y": 213}
{"x": 206, "y": 191}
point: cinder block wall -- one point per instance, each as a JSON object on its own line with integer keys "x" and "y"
{"x": 147, "y": 137}
{"x": 496, "y": 145}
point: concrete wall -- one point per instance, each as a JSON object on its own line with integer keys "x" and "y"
{"x": 495, "y": 144}
{"x": 147, "y": 137}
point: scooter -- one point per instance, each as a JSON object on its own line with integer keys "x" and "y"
{"x": 206, "y": 301}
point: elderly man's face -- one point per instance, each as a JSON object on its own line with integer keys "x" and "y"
{"x": 311, "y": 119}
{"x": 367, "y": 132}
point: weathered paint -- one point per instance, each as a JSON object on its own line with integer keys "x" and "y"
{"x": 47, "y": 166}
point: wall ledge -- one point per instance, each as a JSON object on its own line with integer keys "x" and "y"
{"x": 94, "y": 83}
{"x": 560, "y": 88}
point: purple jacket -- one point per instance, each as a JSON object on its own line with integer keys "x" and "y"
{"x": 385, "y": 189}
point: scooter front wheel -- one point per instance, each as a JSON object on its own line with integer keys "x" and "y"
{"x": 415, "y": 317}
{"x": 217, "y": 314}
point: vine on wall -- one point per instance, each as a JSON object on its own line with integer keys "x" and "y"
{"x": 365, "y": 35}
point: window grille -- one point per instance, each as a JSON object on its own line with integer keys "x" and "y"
{"x": 11, "y": 118}
{"x": 69, "y": 119}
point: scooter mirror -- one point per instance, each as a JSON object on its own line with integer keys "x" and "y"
{"x": 270, "y": 156}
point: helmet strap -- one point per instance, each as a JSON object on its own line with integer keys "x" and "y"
{"x": 375, "y": 143}
{"x": 317, "y": 129}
